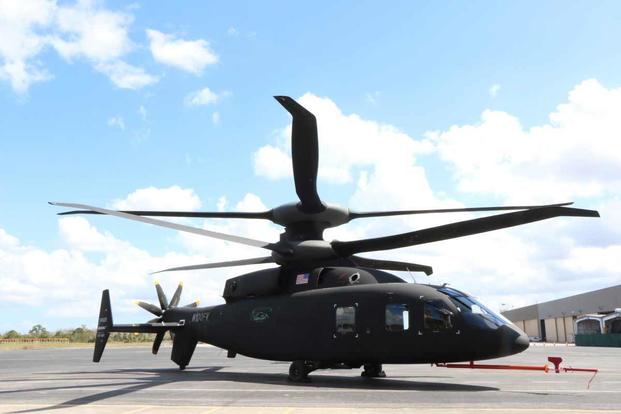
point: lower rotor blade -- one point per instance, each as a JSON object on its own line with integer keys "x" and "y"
{"x": 243, "y": 262}
{"x": 149, "y": 307}
{"x": 390, "y": 265}
{"x": 176, "y": 296}
{"x": 354, "y": 215}
{"x": 161, "y": 296}
{"x": 454, "y": 230}
{"x": 157, "y": 342}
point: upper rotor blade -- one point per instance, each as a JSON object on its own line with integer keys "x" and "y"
{"x": 256, "y": 260}
{"x": 267, "y": 215}
{"x": 304, "y": 154}
{"x": 355, "y": 215}
{"x": 454, "y": 230}
{"x": 149, "y": 307}
{"x": 176, "y": 296}
{"x": 390, "y": 265}
{"x": 175, "y": 226}
{"x": 161, "y": 296}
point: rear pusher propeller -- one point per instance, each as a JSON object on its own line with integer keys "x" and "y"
{"x": 161, "y": 310}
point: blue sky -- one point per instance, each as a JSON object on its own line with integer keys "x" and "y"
{"x": 77, "y": 127}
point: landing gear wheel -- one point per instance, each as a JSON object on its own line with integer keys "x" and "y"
{"x": 298, "y": 371}
{"x": 373, "y": 371}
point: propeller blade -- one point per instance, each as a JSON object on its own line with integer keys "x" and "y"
{"x": 390, "y": 265}
{"x": 149, "y": 308}
{"x": 304, "y": 154}
{"x": 176, "y": 296}
{"x": 161, "y": 296}
{"x": 267, "y": 215}
{"x": 355, "y": 215}
{"x": 256, "y": 260}
{"x": 157, "y": 342}
{"x": 193, "y": 304}
{"x": 454, "y": 230}
{"x": 176, "y": 226}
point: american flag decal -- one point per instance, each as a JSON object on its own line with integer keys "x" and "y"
{"x": 301, "y": 279}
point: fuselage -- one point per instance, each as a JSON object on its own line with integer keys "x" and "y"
{"x": 359, "y": 323}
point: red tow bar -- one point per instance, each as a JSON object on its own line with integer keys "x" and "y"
{"x": 556, "y": 361}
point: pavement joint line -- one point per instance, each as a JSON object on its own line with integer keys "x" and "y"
{"x": 136, "y": 410}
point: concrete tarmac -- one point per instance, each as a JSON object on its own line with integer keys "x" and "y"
{"x": 132, "y": 380}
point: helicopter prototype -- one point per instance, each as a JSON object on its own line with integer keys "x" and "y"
{"x": 324, "y": 306}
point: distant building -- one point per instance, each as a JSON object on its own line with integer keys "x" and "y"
{"x": 555, "y": 321}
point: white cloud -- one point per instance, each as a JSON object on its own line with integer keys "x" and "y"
{"x": 83, "y": 30}
{"x": 117, "y": 122}
{"x": 493, "y": 90}
{"x": 232, "y": 31}
{"x": 576, "y": 155}
{"x": 22, "y": 38}
{"x": 215, "y": 118}
{"x": 172, "y": 198}
{"x": 203, "y": 96}
{"x": 188, "y": 55}
{"x": 126, "y": 76}
{"x": 346, "y": 143}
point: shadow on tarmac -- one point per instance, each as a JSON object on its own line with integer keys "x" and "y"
{"x": 135, "y": 380}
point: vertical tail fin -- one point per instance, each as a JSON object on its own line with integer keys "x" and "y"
{"x": 103, "y": 325}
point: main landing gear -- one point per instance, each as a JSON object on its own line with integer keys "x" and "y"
{"x": 299, "y": 370}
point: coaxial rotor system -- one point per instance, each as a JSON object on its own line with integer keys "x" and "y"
{"x": 302, "y": 242}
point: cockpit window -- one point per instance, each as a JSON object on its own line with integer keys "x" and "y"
{"x": 461, "y": 300}
{"x": 437, "y": 317}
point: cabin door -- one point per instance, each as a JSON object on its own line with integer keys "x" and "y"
{"x": 346, "y": 334}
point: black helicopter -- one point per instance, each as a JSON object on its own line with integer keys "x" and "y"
{"x": 324, "y": 306}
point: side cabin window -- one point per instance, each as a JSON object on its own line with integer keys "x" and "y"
{"x": 345, "y": 320}
{"x": 437, "y": 317}
{"x": 260, "y": 314}
{"x": 397, "y": 317}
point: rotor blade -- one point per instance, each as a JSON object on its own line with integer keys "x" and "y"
{"x": 267, "y": 215}
{"x": 161, "y": 296}
{"x": 176, "y": 296}
{"x": 157, "y": 342}
{"x": 175, "y": 226}
{"x": 390, "y": 265}
{"x": 149, "y": 308}
{"x": 193, "y": 304}
{"x": 355, "y": 215}
{"x": 454, "y": 230}
{"x": 156, "y": 320}
{"x": 304, "y": 154}
{"x": 256, "y": 260}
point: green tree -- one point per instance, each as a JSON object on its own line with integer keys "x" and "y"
{"x": 12, "y": 334}
{"x": 38, "y": 331}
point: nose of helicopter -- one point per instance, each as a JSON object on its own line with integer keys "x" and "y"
{"x": 521, "y": 343}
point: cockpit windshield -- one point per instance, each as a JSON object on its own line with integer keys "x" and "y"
{"x": 461, "y": 299}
